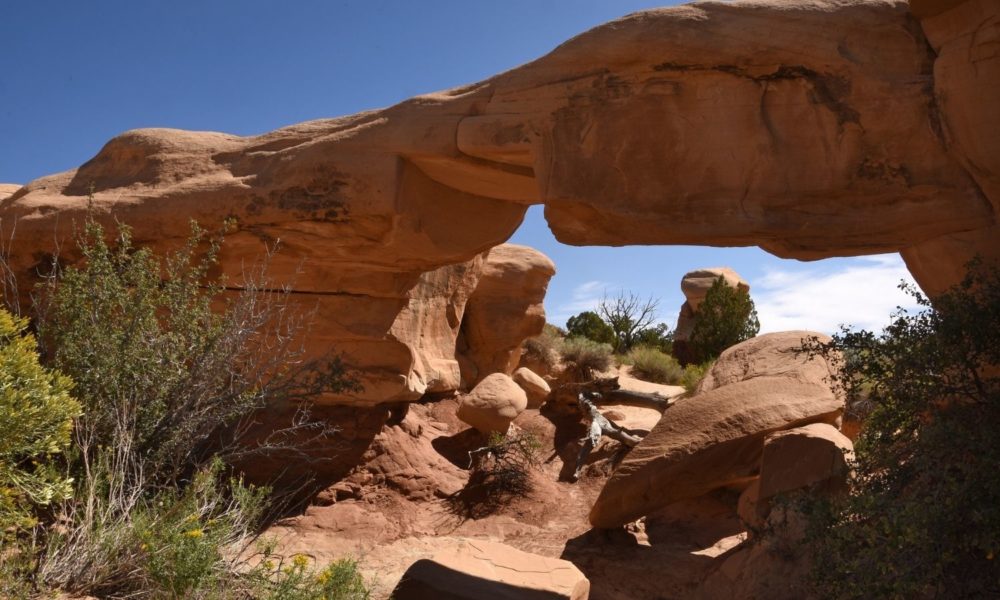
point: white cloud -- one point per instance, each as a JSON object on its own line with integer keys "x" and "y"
{"x": 862, "y": 295}
{"x": 585, "y": 296}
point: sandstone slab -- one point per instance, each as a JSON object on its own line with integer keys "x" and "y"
{"x": 484, "y": 570}
{"x": 716, "y": 437}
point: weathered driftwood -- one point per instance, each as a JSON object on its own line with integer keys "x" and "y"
{"x": 642, "y": 398}
{"x": 599, "y": 425}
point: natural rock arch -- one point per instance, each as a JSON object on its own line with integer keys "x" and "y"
{"x": 811, "y": 128}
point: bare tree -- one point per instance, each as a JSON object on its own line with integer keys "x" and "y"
{"x": 628, "y": 315}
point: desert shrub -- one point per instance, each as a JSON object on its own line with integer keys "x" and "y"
{"x": 36, "y": 419}
{"x": 726, "y": 317}
{"x": 653, "y": 365}
{"x": 585, "y": 357}
{"x": 589, "y": 324}
{"x": 499, "y": 472}
{"x": 169, "y": 388}
{"x": 543, "y": 351}
{"x": 922, "y": 517}
{"x": 282, "y": 578}
{"x": 693, "y": 374}
{"x": 658, "y": 336}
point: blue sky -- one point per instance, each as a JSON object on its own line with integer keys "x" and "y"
{"x": 74, "y": 74}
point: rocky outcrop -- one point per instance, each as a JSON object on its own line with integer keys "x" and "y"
{"x": 811, "y": 129}
{"x": 695, "y": 285}
{"x": 479, "y": 569}
{"x": 493, "y": 404}
{"x": 716, "y": 437}
{"x": 814, "y": 458}
{"x": 505, "y": 309}
{"x": 536, "y": 388}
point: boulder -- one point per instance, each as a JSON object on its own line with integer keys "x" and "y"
{"x": 493, "y": 404}
{"x": 695, "y": 285}
{"x": 484, "y": 570}
{"x": 505, "y": 309}
{"x": 536, "y": 388}
{"x": 716, "y": 437}
{"x": 814, "y": 458}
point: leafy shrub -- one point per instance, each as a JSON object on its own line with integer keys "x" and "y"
{"x": 658, "y": 336}
{"x": 585, "y": 357}
{"x": 36, "y": 418}
{"x": 726, "y": 317}
{"x": 653, "y": 365}
{"x": 296, "y": 579}
{"x": 169, "y": 388}
{"x": 589, "y": 324}
{"x": 922, "y": 517}
{"x": 693, "y": 374}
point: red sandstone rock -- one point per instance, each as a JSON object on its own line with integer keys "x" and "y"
{"x": 481, "y": 570}
{"x": 716, "y": 438}
{"x": 536, "y": 388}
{"x": 493, "y": 404}
{"x": 505, "y": 309}
{"x": 812, "y": 128}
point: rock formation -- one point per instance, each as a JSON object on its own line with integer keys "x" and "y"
{"x": 716, "y": 437}
{"x": 814, "y": 458}
{"x": 493, "y": 404}
{"x": 536, "y": 388}
{"x": 811, "y": 129}
{"x": 695, "y": 285}
{"x": 504, "y": 310}
{"x": 477, "y": 569}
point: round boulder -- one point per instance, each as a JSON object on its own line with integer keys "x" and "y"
{"x": 493, "y": 404}
{"x": 536, "y": 388}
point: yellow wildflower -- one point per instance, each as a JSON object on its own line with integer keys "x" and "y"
{"x": 194, "y": 533}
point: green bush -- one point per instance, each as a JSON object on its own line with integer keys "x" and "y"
{"x": 589, "y": 324}
{"x": 693, "y": 374}
{"x": 658, "y": 336}
{"x": 36, "y": 420}
{"x": 585, "y": 357}
{"x": 653, "y": 365}
{"x": 726, "y": 317}
{"x": 923, "y": 515}
{"x": 170, "y": 370}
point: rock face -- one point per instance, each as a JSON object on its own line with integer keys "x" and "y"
{"x": 812, "y": 128}
{"x": 813, "y": 458}
{"x": 716, "y": 437}
{"x": 536, "y": 388}
{"x": 695, "y": 286}
{"x": 478, "y": 569}
{"x": 493, "y": 404}
{"x": 505, "y": 309}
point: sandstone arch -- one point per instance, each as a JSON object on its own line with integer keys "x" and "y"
{"x": 812, "y": 128}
